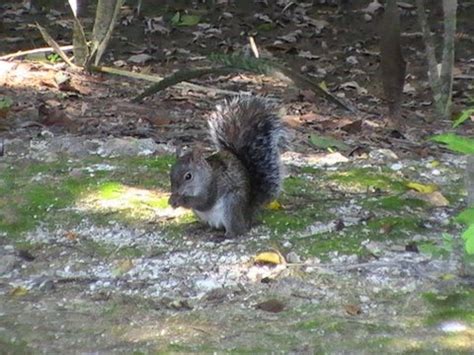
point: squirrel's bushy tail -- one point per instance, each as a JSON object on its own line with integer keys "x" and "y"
{"x": 251, "y": 129}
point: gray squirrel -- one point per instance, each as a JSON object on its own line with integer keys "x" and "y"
{"x": 228, "y": 188}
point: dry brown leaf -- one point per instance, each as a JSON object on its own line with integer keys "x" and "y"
{"x": 353, "y": 309}
{"x": 272, "y": 305}
{"x": 71, "y": 235}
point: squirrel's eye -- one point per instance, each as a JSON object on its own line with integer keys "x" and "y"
{"x": 188, "y": 176}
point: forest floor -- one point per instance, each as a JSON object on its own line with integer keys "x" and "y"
{"x": 361, "y": 254}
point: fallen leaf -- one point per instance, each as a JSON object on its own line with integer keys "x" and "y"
{"x": 122, "y": 267}
{"x": 25, "y": 255}
{"x": 353, "y": 127}
{"x": 274, "y": 205}
{"x": 437, "y": 199}
{"x": 373, "y": 7}
{"x": 292, "y": 37}
{"x": 353, "y": 309}
{"x": 386, "y": 228}
{"x": 272, "y": 305}
{"x": 140, "y": 58}
{"x": 353, "y": 85}
{"x": 269, "y": 257}
{"x": 412, "y": 247}
{"x": 71, "y": 235}
{"x": 423, "y": 188}
{"x": 18, "y": 291}
{"x": 308, "y": 55}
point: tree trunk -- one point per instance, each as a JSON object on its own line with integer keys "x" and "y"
{"x": 105, "y": 19}
{"x": 469, "y": 180}
{"x": 81, "y": 51}
{"x": 392, "y": 63}
{"x": 446, "y": 76}
{"x": 440, "y": 75}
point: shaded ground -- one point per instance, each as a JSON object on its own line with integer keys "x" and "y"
{"x": 93, "y": 259}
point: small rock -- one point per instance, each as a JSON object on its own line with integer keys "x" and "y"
{"x": 364, "y": 299}
{"x": 452, "y": 327}
{"x": 332, "y": 159}
{"x": 352, "y": 60}
{"x": 46, "y": 134}
{"x": 15, "y": 147}
{"x": 7, "y": 263}
{"x": 292, "y": 257}
{"x": 383, "y": 154}
{"x": 396, "y": 166}
{"x": 140, "y": 58}
{"x": 127, "y": 147}
{"x": 367, "y": 17}
{"x": 207, "y": 284}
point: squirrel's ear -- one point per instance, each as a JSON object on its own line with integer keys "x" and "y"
{"x": 179, "y": 151}
{"x": 197, "y": 154}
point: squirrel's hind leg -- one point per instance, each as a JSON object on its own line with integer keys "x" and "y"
{"x": 236, "y": 222}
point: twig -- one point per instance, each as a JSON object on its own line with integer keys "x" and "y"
{"x": 459, "y": 77}
{"x": 35, "y": 51}
{"x": 303, "y": 81}
{"x": 53, "y": 44}
{"x": 157, "y": 78}
{"x": 181, "y": 76}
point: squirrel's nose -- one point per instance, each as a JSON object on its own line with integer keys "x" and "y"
{"x": 173, "y": 201}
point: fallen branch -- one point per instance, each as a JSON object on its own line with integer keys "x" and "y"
{"x": 35, "y": 51}
{"x": 180, "y": 76}
{"x": 157, "y": 79}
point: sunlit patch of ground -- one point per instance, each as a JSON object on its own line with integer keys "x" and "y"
{"x": 138, "y": 203}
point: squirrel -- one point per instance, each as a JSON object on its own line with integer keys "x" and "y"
{"x": 227, "y": 188}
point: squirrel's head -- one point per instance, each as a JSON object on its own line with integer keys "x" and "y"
{"x": 190, "y": 179}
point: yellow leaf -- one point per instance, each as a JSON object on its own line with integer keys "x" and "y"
{"x": 447, "y": 277}
{"x": 423, "y": 188}
{"x": 435, "y": 164}
{"x": 274, "y": 205}
{"x": 19, "y": 291}
{"x": 269, "y": 257}
{"x": 122, "y": 267}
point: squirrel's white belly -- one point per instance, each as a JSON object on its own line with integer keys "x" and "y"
{"x": 214, "y": 216}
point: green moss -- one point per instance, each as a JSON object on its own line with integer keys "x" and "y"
{"x": 363, "y": 178}
{"x": 265, "y": 27}
{"x": 395, "y": 224}
{"x": 110, "y": 190}
{"x": 320, "y": 245}
{"x": 394, "y": 203}
{"x": 456, "y": 305}
{"x": 298, "y": 186}
{"x": 14, "y": 347}
{"x": 282, "y": 221}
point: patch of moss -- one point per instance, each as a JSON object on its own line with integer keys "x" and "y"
{"x": 14, "y": 347}
{"x": 395, "y": 225}
{"x": 282, "y": 221}
{"x": 457, "y": 305}
{"x": 299, "y": 186}
{"x": 394, "y": 203}
{"x": 320, "y": 245}
{"x": 363, "y": 178}
{"x": 265, "y": 27}
{"x": 110, "y": 190}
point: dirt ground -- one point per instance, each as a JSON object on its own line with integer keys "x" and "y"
{"x": 364, "y": 250}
